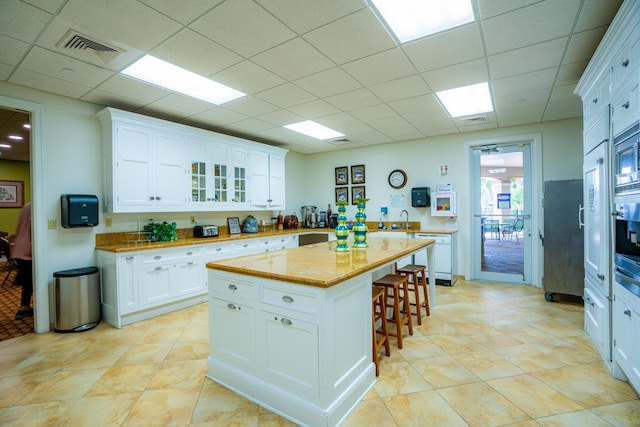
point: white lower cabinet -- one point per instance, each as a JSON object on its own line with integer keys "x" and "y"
{"x": 235, "y": 338}
{"x": 596, "y": 318}
{"x": 446, "y": 256}
{"x": 626, "y": 329}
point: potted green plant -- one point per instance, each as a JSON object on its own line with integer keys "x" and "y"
{"x": 160, "y": 231}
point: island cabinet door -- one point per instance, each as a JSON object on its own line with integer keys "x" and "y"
{"x": 289, "y": 349}
{"x": 156, "y": 284}
{"x": 232, "y": 330}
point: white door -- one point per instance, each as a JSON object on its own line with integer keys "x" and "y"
{"x": 502, "y": 212}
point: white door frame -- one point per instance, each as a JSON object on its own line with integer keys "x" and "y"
{"x": 38, "y": 217}
{"x": 535, "y": 139}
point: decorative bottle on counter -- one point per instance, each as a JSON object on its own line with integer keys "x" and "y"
{"x": 328, "y": 219}
{"x": 342, "y": 232}
{"x": 360, "y": 229}
{"x": 294, "y": 219}
{"x": 280, "y": 221}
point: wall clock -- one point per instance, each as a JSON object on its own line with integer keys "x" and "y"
{"x": 397, "y": 178}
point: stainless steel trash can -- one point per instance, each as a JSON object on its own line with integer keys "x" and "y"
{"x": 77, "y": 297}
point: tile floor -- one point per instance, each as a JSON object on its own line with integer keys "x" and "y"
{"x": 491, "y": 354}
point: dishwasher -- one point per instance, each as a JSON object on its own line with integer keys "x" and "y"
{"x": 446, "y": 268}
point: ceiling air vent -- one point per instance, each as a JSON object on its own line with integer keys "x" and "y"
{"x": 475, "y": 120}
{"x": 78, "y": 42}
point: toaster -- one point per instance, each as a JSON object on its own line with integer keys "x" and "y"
{"x": 205, "y": 231}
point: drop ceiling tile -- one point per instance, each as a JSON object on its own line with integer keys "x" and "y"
{"x": 48, "y": 5}
{"x": 563, "y": 93}
{"x": 181, "y": 12}
{"x": 250, "y": 106}
{"x": 185, "y": 49}
{"x": 328, "y": 82}
{"x": 406, "y": 87}
{"x": 464, "y": 74}
{"x": 303, "y": 16}
{"x": 285, "y": 95}
{"x": 352, "y": 37}
{"x": 260, "y": 31}
{"x": 383, "y": 124}
{"x": 281, "y": 117}
{"x": 525, "y": 82}
{"x": 428, "y": 121}
{"x": 219, "y": 116}
{"x": 571, "y": 73}
{"x": 520, "y": 116}
{"x": 354, "y": 99}
{"x": 5, "y": 71}
{"x": 415, "y": 104}
{"x": 56, "y": 65}
{"x": 522, "y": 99}
{"x": 489, "y": 8}
{"x": 381, "y": 67}
{"x": 314, "y": 109}
{"x": 22, "y": 21}
{"x": 118, "y": 101}
{"x": 404, "y": 133}
{"x": 248, "y": 77}
{"x": 534, "y": 24}
{"x": 458, "y": 45}
{"x": 375, "y": 112}
{"x": 563, "y": 109}
{"x": 130, "y": 22}
{"x": 597, "y": 13}
{"x": 583, "y": 45}
{"x": 12, "y": 50}
{"x": 47, "y": 83}
{"x": 531, "y": 58}
{"x": 338, "y": 121}
{"x": 142, "y": 93}
{"x": 293, "y": 59}
{"x": 179, "y": 105}
{"x": 250, "y": 125}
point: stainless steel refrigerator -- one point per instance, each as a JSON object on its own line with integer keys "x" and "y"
{"x": 563, "y": 238}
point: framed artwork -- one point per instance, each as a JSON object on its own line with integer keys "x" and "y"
{"x": 342, "y": 175}
{"x": 357, "y": 174}
{"x": 357, "y": 193}
{"x": 342, "y": 195}
{"x": 11, "y": 194}
{"x": 234, "y": 225}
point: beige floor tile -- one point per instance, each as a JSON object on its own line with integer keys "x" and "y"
{"x": 444, "y": 372}
{"x": 399, "y": 378}
{"x": 164, "y": 407}
{"x": 370, "y": 413}
{"x": 124, "y": 379}
{"x": 494, "y": 337}
{"x": 530, "y": 357}
{"x": 179, "y": 375}
{"x": 273, "y": 420}
{"x": 96, "y": 357}
{"x": 436, "y": 324}
{"x": 38, "y": 414}
{"x": 196, "y": 332}
{"x": 456, "y": 343}
{"x": 423, "y": 408}
{"x": 558, "y": 328}
{"x": 145, "y": 354}
{"x": 161, "y": 334}
{"x": 219, "y": 405}
{"x": 571, "y": 419}
{"x": 420, "y": 347}
{"x": 488, "y": 364}
{"x": 63, "y": 386}
{"x": 525, "y": 333}
{"x": 9, "y": 361}
{"x": 99, "y": 411}
{"x": 625, "y": 414}
{"x": 188, "y": 350}
{"x": 480, "y": 405}
{"x": 533, "y": 396}
{"x": 13, "y": 389}
{"x": 42, "y": 362}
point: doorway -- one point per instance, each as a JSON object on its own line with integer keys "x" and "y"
{"x": 501, "y": 192}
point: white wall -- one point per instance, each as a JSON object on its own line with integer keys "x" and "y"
{"x": 72, "y": 163}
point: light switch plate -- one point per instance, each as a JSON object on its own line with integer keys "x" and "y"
{"x": 52, "y": 224}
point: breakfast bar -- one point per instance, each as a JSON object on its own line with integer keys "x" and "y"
{"x": 291, "y": 329}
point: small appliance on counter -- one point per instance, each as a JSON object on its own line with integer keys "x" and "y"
{"x": 205, "y": 231}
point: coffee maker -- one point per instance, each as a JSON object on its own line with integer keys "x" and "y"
{"x": 309, "y": 216}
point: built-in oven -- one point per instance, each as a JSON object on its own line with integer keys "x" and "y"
{"x": 627, "y": 161}
{"x": 627, "y": 255}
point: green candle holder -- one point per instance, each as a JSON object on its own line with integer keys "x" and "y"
{"x": 360, "y": 229}
{"x": 342, "y": 231}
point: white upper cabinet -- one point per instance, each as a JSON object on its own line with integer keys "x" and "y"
{"x": 267, "y": 179}
{"x": 152, "y": 165}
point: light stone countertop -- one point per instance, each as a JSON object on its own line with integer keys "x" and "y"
{"x": 319, "y": 264}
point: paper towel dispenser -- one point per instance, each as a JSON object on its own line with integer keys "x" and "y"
{"x": 79, "y": 210}
{"x": 421, "y": 197}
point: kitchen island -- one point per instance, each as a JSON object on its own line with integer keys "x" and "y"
{"x": 291, "y": 330}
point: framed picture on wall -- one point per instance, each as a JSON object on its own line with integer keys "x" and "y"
{"x": 357, "y": 174}
{"x": 342, "y": 195}
{"x": 342, "y": 175}
{"x": 357, "y": 193}
{"x": 11, "y": 194}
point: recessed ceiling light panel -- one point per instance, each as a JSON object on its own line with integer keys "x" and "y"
{"x": 467, "y": 100}
{"x": 164, "y": 74}
{"x": 314, "y": 130}
{"x": 412, "y": 19}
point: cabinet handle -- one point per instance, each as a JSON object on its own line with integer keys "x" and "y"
{"x": 158, "y": 268}
{"x": 158, "y": 197}
{"x": 588, "y": 301}
{"x": 218, "y": 249}
{"x": 625, "y": 63}
{"x": 233, "y": 287}
{"x": 627, "y": 312}
{"x": 286, "y": 321}
{"x": 189, "y": 253}
{"x": 157, "y": 257}
{"x": 595, "y": 100}
{"x": 601, "y": 276}
{"x": 245, "y": 245}
{"x": 151, "y": 198}
{"x": 129, "y": 257}
{"x": 626, "y": 105}
{"x": 287, "y": 299}
{"x": 231, "y": 306}
{"x": 190, "y": 263}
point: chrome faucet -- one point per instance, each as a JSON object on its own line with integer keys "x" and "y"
{"x": 406, "y": 226}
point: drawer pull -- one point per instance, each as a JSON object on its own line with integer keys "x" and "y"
{"x": 595, "y": 100}
{"x": 245, "y": 245}
{"x": 287, "y": 299}
{"x": 232, "y": 287}
{"x": 130, "y": 257}
{"x": 625, "y": 63}
{"x": 231, "y": 306}
{"x": 158, "y": 268}
{"x": 627, "y": 312}
{"x": 190, "y": 263}
{"x": 189, "y": 253}
{"x": 286, "y": 321}
{"x": 601, "y": 276}
{"x": 157, "y": 257}
{"x": 218, "y": 249}
{"x": 626, "y": 105}
{"x": 588, "y": 301}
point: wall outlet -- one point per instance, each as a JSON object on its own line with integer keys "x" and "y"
{"x": 108, "y": 222}
{"x": 52, "y": 224}
{"x": 193, "y": 219}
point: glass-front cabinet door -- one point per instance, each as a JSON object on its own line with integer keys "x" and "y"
{"x": 220, "y": 179}
{"x": 239, "y": 184}
{"x": 198, "y": 182}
